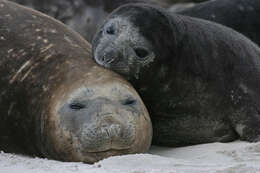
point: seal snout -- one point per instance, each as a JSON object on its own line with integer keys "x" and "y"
{"x": 110, "y": 129}
{"x": 112, "y": 135}
{"x": 110, "y": 57}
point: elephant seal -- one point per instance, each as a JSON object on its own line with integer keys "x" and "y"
{"x": 55, "y": 101}
{"x": 199, "y": 80}
{"x": 83, "y": 16}
{"x": 240, "y": 15}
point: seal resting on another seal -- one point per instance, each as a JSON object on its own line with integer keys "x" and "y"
{"x": 55, "y": 101}
{"x": 199, "y": 80}
{"x": 240, "y": 15}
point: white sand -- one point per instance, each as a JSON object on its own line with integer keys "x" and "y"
{"x": 235, "y": 157}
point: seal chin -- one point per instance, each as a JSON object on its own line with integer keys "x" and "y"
{"x": 121, "y": 68}
{"x": 97, "y": 156}
{"x": 110, "y": 150}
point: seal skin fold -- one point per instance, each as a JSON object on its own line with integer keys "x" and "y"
{"x": 55, "y": 102}
{"x": 199, "y": 79}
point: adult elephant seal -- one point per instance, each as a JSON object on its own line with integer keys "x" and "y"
{"x": 199, "y": 80}
{"x": 83, "y": 16}
{"x": 240, "y": 15}
{"x": 55, "y": 101}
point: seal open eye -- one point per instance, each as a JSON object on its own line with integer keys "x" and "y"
{"x": 141, "y": 53}
{"x": 129, "y": 102}
{"x": 76, "y": 106}
{"x": 110, "y": 30}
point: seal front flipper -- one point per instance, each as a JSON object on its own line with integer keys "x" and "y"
{"x": 245, "y": 119}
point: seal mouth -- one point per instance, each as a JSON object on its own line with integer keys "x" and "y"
{"x": 111, "y": 150}
{"x": 108, "y": 137}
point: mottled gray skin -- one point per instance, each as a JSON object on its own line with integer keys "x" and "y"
{"x": 199, "y": 80}
{"x": 55, "y": 102}
{"x": 83, "y": 16}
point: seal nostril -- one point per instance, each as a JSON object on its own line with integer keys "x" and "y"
{"x": 110, "y": 30}
{"x": 77, "y": 106}
{"x": 103, "y": 58}
{"x": 140, "y": 52}
{"x": 129, "y": 102}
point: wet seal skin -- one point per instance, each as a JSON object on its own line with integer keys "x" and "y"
{"x": 55, "y": 102}
{"x": 83, "y": 16}
{"x": 240, "y": 15}
{"x": 199, "y": 80}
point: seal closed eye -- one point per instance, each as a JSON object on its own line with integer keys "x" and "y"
{"x": 77, "y": 106}
{"x": 200, "y": 80}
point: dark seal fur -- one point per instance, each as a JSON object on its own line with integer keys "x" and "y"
{"x": 240, "y": 15}
{"x": 199, "y": 80}
{"x": 55, "y": 102}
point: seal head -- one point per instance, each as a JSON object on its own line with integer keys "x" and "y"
{"x": 93, "y": 118}
{"x": 127, "y": 41}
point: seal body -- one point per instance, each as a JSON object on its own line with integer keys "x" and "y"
{"x": 55, "y": 101}
{"x": 83, "y": 16}
{"x": 199, "y": 80}
{"x": 240, "y": 15}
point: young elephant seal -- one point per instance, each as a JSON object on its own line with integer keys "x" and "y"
{"x": 240, "y": 15}
{"x": 199, "y": 80}
{"x": 55, "y": 101}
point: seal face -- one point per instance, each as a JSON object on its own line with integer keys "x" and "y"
{"x": 199, "y": 80}
{"x": 55, "y": 101}
{"x": 99, "y": 119}
{"x": 127, "y": 59}
{"x": 140, "y": 40}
